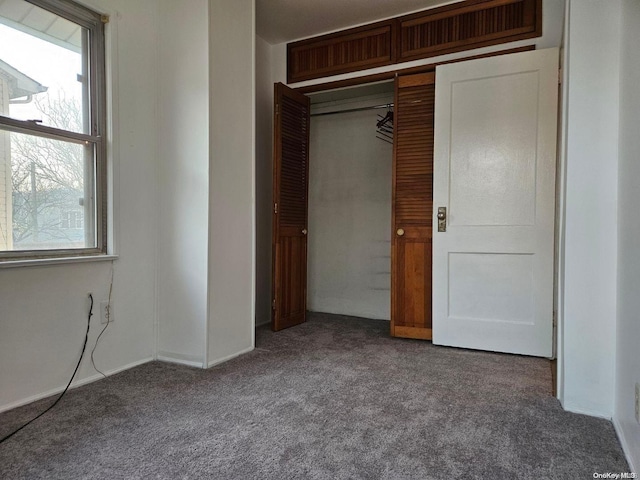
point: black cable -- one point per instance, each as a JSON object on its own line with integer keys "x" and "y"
{"x": 84, "y": 346}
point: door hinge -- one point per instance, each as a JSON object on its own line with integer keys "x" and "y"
{"x": 273, "y": 304}
{"x": 560, "y": 76}
{"x": 277, "y": 109}
{"x": 554, "y": 318}
{"x": 275, "y": 208}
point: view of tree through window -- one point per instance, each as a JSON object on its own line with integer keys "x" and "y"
{"x": 47, "y": 177}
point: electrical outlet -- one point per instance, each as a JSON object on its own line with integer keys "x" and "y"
{"x": 638, "y": 402}
{"x": 106, "y": 312}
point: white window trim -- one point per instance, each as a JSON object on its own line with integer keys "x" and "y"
{"x": 43, "y": 262}
{"x": 107, "y": 242}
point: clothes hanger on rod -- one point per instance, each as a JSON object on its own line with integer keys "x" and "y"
{"x": 384, "y": 126}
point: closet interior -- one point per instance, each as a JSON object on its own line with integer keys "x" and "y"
{"x": 350, "y": 172}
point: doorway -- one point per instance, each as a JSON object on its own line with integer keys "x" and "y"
{"x": 370, "y": 204}
{"x": 350, "y": 173}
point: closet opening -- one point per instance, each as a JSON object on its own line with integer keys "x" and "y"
{"x": 353, "y": 202}
{"x": 350, "y": 188}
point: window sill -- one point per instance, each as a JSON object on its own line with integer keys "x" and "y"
{"x": 43, "y": 262}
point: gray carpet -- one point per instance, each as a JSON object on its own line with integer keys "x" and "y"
{"x": 335, "y": 398}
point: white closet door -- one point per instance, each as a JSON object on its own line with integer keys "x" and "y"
{"x": 494, "y": 172}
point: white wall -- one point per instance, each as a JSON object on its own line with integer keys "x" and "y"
{"x": 264, "y": 172}
{"x": 183, "y": 157}
{"x": 349, "y": 263}
{"x": 590, "y": 245}
{"x": 44, "y": 309}
{"x": 179, "y": 143}
{"x": 628, "y": 332}
{"x": 232, "y": 186}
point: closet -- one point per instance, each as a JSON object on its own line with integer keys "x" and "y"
{"x": 466, "y": 254}
{"x": 474, "y": 144}
{"x": 358, "y": 241}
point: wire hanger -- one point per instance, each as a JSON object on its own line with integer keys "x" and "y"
{"x": 384, "y": 126}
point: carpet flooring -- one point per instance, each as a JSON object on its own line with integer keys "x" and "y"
{"x": 335, "y": 398}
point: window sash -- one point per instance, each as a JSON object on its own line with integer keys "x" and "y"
{"x": 94, "y": 23}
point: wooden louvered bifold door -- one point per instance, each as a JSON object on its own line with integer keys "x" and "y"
{"x": 412, "y": 206}
{"x": 290, "y": 193}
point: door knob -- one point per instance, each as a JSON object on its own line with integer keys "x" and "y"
{"x": 304, "y": 231}
{"x": 442, "y": 219}
{"x": 400, "y": 232}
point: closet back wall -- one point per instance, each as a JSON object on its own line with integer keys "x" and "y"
{"x": 349, "y": 216}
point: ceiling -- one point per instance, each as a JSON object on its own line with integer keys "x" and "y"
{"x": 280, "y": 21}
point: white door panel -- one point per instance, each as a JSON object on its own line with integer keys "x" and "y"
{"x": 494, "y": 171}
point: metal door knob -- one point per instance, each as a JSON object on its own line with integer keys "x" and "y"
{"x": 304, "y": 231}
{"x": 442, "y": 219}
{"x": 400, "y": 232}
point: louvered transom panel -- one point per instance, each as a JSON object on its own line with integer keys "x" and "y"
{"x": 465, "y": 26}
{"x": 293, "y": 168}
{"x": 414, "y": 155}
{"x": 456, "y": 27}
{"x": 350, "y": 50}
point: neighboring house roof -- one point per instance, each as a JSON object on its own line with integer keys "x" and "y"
{"x": 20, "y": 85}
{"x": 42, "y": 24}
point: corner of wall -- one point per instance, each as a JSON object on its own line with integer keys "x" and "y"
{"x": 231, "y": 267}
{"x": 627, "y": 366}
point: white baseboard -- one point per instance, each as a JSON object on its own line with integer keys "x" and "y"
{"x": 590, "y": 413}
{"x": 625, "y": 445}
{"x": 229, "y": 357}
{"x": 188, "y": 360}
{"x": 78, "y": 383}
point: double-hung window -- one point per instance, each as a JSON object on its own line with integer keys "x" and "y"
{"x": 52, "y": 127}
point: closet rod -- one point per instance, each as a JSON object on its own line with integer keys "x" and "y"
{"x": 386, "y": 105}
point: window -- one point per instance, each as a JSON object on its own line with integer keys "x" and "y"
{"x": 52, "y": 124}
{"x": 73, "y": 220}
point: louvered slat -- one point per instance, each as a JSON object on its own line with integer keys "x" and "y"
{"x": 414, "y": 156}
{"x": 293, "y": 170}
{"x": 450, "y": 28}
{"x": 466, "y": 25}
{"x": 349, "y": 50}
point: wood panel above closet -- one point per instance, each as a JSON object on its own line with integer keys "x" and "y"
{"x": 452, "y": 28}
{"x": 354, "y": 49}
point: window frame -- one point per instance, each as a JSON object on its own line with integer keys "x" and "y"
{"x": 94, "y": 22}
